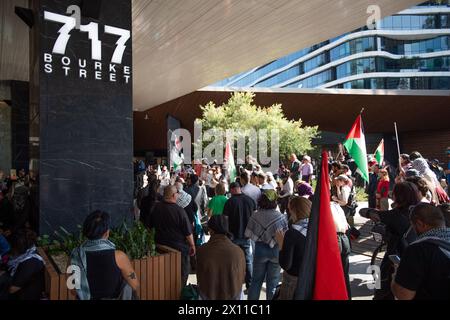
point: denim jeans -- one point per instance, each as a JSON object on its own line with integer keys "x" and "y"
{"x": 265, "y": 265}
{"x": 247, "y": 246}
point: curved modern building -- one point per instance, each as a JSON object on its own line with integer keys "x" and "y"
{"x": 409, "y": 50}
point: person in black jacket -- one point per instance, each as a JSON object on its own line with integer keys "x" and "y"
{"x": 292, "y": 245}
{"x": 398, "y": 230}
{"x": 372, "y": 186}
{"x": 424, "y": 270}
{"x": 239, "y": 208}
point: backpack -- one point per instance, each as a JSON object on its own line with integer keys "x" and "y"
{"x": 350, "y": 207}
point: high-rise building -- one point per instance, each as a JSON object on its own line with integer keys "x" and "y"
{"x": 409, "y": 50}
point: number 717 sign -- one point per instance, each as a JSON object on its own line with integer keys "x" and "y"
{"x": 73, "y": 22}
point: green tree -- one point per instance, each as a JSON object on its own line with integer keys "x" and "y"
{"x": 241, "y": 114}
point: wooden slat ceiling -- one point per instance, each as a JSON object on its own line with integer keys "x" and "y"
{"x": 14, "y": 62}
{"x": 180, "y": 46}
{"x": 184, "y": 45}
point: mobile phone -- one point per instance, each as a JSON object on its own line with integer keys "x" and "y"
{"x": 394, "y": 259}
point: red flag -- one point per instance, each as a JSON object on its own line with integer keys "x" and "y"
{"x": 321, "y": 274}
{"x": 329, "y": 279}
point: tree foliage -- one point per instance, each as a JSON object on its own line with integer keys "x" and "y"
{"x": 241, "y": 114}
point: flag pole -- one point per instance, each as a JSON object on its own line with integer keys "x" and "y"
{"x": 362, "y": 110}
{"x": 398, "y": 145}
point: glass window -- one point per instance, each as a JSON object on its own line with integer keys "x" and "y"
{"x": 387, "y": 23}
{"x": 415, "y": 22}
{"x": 440, "y": 83}
{"x": 314, "y": 62}
{"x": 428, "y": 22}
{"x": 406, "y": 22}
{"x": 445, "y": 21}
{"x": 397, "y": 22}
{"x": 280, "y": 77}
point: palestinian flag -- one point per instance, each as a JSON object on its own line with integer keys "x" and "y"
{"x": 229, "y": 162}
{"x": 321, "y": 273}
{"x": 379, "y": 153}
{"x": 176, "y": 153}
{"x": 356, "y": 147}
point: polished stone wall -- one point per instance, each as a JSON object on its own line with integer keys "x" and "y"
{"x": 5, "y": 137}
{"x": 85, "y": 118}
{"x": 20, "y": 128}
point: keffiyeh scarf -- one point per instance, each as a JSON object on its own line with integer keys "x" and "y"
{"x": 14, "y": 263}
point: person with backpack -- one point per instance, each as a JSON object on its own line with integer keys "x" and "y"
{"x": 424, "y": 270}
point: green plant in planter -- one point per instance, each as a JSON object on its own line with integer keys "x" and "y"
{"x": 50, "y": 246}
{"x": 69, "y": 241}
{"x": 135, "y": 240}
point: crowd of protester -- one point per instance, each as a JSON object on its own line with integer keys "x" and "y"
{"x": 256, "y": 225}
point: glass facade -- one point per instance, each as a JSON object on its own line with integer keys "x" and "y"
{"x": 352, "y": 47}
{"x": 412, "y": 83}
{"x": 411, "y": 47}
{"x": 425, "y": 47}
{"x": 313, "y": 81}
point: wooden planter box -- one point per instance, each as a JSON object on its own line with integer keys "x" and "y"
{"x": 159, "y": 277}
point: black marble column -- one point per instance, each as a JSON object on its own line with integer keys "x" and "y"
{"x": 84, "y": 112}
{"x": 20, "y": 129}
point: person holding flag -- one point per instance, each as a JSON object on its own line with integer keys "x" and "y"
{"x": 176, "y": 153}
{"x": 321, "y": 275}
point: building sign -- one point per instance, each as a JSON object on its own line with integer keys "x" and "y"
{"x": 97, "y": 65}
{"x": 82, "y": 51}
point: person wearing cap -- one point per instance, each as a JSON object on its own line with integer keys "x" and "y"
{"x": 261, "y": 228}
{"x": 220, "y": 264}
{"x": 306, "y": 169}
{"x": 239, "y": 208}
